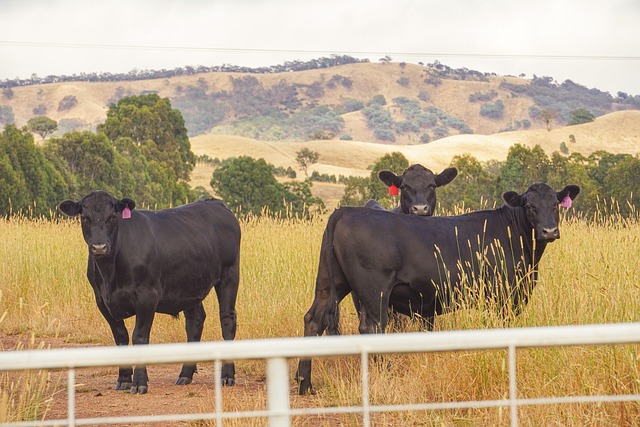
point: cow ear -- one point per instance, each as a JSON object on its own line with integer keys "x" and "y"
{"x": 570, "y": 190}
{"x": 69, "y": 207}
{"x": 389, "y": 178}
{"x": 125, "y": 202}
{"x": 513, "y": 199}
{"x": 446, "y": 176}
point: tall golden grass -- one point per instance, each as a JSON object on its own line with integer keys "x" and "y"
{"x": 588, "y": 276}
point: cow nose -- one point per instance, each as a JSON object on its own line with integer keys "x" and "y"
{"x": 550, "y": 233}
{"x": 420, "y": 210}
{"x": 99, "y": 249}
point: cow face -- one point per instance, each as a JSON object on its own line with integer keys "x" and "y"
{"x": 541, "y": 206}
{"x": 99, "y": 213}
{"x": 417, "y": 186}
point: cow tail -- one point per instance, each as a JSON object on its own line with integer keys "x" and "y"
{"x": 332, "y": 315}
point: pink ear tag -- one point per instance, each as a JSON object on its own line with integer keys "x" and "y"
{"x": 126, "y": 213}
{"x": 566, "y": 202}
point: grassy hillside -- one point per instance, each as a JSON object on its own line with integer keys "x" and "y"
{"x": 616, "y": 133}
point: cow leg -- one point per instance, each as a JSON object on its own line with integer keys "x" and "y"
{"x": 314, "y": 325}
{"x": 140, "y": 336}
{"x": 323, "y": 315}
{"x": 194, "y": 320}
{"x": 227, "y": 292}
{"x": 121, "y": 337}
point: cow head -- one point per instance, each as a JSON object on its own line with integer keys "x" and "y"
{"x": 541, "y": 206}
{"x": 417, "y": 186}
{"x": 99, "y": 213}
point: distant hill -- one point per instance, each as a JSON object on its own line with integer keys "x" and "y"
{"x": 421, "y": 103}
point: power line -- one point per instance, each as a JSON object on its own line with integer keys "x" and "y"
{"x": 58, "y": 45}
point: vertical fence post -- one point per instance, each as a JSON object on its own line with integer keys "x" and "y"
{"x": 513, "y": 391}
{"x": 71, "y": 397}
{"x": 217, "y": 380}
{"x": 278, "y": 392}
{"x": 364, "y": 362}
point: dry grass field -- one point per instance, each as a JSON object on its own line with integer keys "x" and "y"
{"x": 588, "y": 276}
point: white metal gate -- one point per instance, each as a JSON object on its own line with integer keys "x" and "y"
{"x": 279, "y": 351}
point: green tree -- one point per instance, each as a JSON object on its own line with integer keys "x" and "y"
{"x": 473, "y": 187}
{"x": 548, "y": 117}
{"x": 248, "y": 186}
{"x": 523, "y": 167}
{"x": 305, "y": 158}
{"x": 94, "y": 163}
{"x": 29, "y": 182}
{"x": 579, "y": 116}
{"x": 42, "y": 125}
{"x": 356, "y": 191}
{"x": 622, "y": 184}
{"x": 151, "y": 123}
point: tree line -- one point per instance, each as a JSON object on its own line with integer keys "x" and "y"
{"x": 607, "y": 181}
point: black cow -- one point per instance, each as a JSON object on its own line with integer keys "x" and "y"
{"x": 145, "y": 262}
{"x": 417, "y": 186}
{"x": 433, "y": 260}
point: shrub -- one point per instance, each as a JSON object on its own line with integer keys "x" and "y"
{"x": 384, "y": 135}
{"x": 492, "y": 111}
{"x": 423, "y": 96}
{"x": 67, "y": 103}
{"x": 403, "y": 81}
{"x": 351, "y": 105}
{"x": 40, "y": 110}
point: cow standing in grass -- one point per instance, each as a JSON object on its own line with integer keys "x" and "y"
{"x": 417, "y": 186}
{"x": 435, "y": 260}
{"x": 145, "y": 262}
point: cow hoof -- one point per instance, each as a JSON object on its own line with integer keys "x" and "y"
{"x": 123, "y": 386}
{"x": 228, "y": 382}
{"x": 306, "y": 390}
{"x": 140, "y": 389}
{"x": 183, "y": 381}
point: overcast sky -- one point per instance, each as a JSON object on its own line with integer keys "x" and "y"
{"x": 595, "y": 43}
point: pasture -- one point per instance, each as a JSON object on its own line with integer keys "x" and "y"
{"x": 588, "y": 276}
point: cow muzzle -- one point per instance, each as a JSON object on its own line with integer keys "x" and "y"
{"x": 550, "y": 234}
{"x": 420, "y": 210}
{"x": 99, "y": 249}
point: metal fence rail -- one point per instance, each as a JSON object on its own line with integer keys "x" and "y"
{"x": 278, "y": 351}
